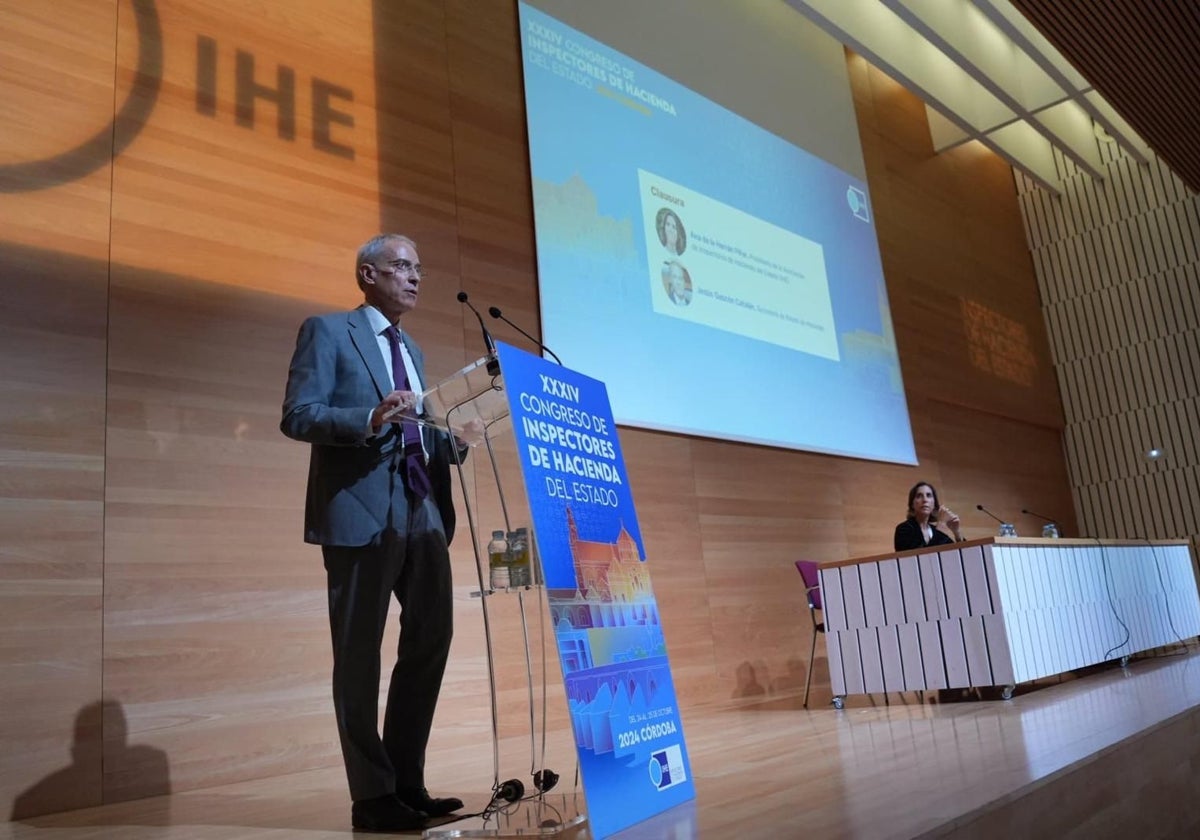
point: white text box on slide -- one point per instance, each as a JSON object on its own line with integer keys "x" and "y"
{"x": 728, "y": 270}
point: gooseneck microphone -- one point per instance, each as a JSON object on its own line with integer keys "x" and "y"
{"x": 493, "y": 365}
{"x": 495, "y": 312}
{"x": 989, "y": 513}
{"x": 488, "y": 343}
{"x": 1050, "y": 529}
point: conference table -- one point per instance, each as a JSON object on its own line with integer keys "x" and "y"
{"x": 1001, "y": 611}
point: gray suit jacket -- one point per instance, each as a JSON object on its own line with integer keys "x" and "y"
{"x": 355, "y": 490}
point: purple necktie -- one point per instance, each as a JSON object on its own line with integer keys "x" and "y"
{"x": 414, "y": 455}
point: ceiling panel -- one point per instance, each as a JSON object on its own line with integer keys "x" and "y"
{"x": 1142, "y": 57}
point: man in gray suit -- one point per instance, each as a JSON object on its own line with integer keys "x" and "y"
{"x": 379, "y": 505}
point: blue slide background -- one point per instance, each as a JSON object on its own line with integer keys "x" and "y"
{"x": 664, "y": 372}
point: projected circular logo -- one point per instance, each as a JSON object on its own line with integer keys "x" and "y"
{"x": 857, "y": 200}
{"x": 110, "y": 140}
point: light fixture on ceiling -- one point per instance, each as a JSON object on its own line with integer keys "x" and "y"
{"x": 986, "y": 74}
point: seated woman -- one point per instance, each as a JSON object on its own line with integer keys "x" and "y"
{"x": 921, "y": 528}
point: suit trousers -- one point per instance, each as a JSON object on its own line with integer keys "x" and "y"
{"x": 412, "y": 563}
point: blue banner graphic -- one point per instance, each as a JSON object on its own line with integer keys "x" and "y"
{"x": 610, "y": 642}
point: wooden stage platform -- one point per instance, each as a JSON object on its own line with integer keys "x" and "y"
{"x": 1111, "y": 754}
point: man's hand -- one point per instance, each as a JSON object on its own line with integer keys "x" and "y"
{"x": 470, "y": 433}
{"x": 392, "y": 406}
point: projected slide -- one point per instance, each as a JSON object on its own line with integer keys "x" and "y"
{"x": 720, "y": 280}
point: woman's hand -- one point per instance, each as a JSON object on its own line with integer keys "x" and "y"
{"x": 950, "y": 519}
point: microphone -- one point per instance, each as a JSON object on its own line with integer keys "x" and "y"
{"x": 1006, "y": 528}
{"x": 495, "y": 312}
{"x": 1050, "y": 529}
{"x": 989, "y": 513}
{"x": 493, "y": 366}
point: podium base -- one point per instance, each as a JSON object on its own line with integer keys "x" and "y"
{"x": 551, "y": 815}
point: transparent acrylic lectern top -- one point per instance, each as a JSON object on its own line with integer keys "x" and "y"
{"x": 475, "y": 393}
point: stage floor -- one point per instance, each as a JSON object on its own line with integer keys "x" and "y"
{"x": 774, "y": 770}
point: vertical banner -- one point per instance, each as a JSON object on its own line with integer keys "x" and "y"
{"x": 610, "y": 642}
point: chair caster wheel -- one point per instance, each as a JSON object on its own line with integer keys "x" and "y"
{"x": 839, "y": 702}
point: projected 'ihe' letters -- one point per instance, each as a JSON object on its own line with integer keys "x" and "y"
{"x": 328, "y": 100}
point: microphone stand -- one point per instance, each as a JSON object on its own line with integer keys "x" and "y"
{"x": 1004, "y": 526}
{"x": 493, "y": 363}
{"x": 495, "y": 312}
{"x": 989, "y": 513}
{"x": 1052, "y": 524}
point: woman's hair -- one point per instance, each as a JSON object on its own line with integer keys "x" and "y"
{"x": 912, "y": 494}
{"x": 660, "y": 224}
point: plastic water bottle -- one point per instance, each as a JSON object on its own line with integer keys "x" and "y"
{"x": 499, "y": 563}
{"x": 518, "y": 550}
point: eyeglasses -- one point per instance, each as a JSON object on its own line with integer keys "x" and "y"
{"x": 404, "y": 267}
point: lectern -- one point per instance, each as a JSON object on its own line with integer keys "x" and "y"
{"x": 472, "y": 405}
{"x": 593, "y": 581}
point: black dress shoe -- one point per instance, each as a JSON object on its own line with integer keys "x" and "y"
{"x": 419, "y": 800}
{"x": 385, "y": 813}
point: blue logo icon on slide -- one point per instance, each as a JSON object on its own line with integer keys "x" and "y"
{"x": 666, "y": 767}
{"x": 857, "y": 199}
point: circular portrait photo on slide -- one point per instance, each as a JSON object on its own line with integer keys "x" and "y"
{"x": 670, "y": 231}
{"x": 677, "y": 282}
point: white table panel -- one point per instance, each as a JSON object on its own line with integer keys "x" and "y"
{"x": 1002, "y": 611}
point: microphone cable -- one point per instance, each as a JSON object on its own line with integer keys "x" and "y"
{"x": 1111, "y": 603}
{"x": 1167, "y": 602}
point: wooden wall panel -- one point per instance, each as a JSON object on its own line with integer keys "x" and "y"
{"x": 236, "y": 213}
{"x": 967, "y": 318}
{"x": 228, "y": 181}
{"x": 215, "y": 629}
{"x": 55, "y": 153}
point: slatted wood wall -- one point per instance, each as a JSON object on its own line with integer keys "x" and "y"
{"x": 1118, "y": 265}
{"x": 161, "y": 622}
